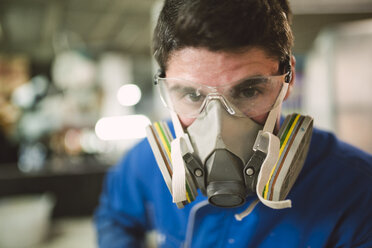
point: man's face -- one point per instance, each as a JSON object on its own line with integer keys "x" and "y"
{"x": 219, "y": 69}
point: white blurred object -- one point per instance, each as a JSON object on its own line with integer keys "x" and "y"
{"x": 339, "y": 82}
{"x": 129, "y": 95}
{"x": 33, "y": 125}
{"x": 25, "y": 220}
{"x": 114, "y": 70}
{"x": 319, "y": 84}
{"x": 32, "y": 157}
{"x": 90, "y": 143}
{"x": 73, "y": 70}
{"x": 25, "y": 95}
{"x": 73, "y": 232}
{"x": 122, "y": 127}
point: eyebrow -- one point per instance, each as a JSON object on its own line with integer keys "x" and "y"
{"x": 179, "y": 88}
{"x": 249, "y": 82}
{"x": 244, "y": 83}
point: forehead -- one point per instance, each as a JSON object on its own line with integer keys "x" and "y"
{"x": 218, "y": 68}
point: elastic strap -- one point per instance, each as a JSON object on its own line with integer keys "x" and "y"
{"x": 179, "y": 147}
{"x": 265, "y": 172}
{"x": 179, "y": 177}
{"x": 176, "y": 124}
{"x": 273, "y": 114}
{"x": 246, "y": 212}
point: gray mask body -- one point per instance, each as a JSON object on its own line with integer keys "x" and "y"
{"x": 222, "y": 146}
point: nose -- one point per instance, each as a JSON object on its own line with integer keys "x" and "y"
{"x": 221, "y": 99}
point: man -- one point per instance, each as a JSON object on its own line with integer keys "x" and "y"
{"x": 207, "y": 52}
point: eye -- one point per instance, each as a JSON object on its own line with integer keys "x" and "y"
{"x": 248, "y": 92}
{"x": 194, "y": 96}
{"x": 250, "y": 88}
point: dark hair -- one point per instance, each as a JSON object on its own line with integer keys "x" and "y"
{"x": 223, "y": 25}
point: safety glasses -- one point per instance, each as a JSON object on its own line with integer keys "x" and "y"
{"x": 252, "y": 96}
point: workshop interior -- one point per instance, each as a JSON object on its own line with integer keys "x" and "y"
{"x": 76, "y": 93}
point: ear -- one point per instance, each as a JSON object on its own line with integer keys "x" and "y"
{"x": 291, "y": 83}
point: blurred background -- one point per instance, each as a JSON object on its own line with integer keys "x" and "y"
{"x": 76, "y": 92}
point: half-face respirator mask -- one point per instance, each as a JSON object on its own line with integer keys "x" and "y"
{"x": 224, "y": 152}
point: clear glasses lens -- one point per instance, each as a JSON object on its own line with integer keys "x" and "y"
{"x": 251, "y": 97}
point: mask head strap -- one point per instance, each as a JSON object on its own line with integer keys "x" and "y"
{"x": 160, "y": 73}
{"x": 285, "y": 67}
